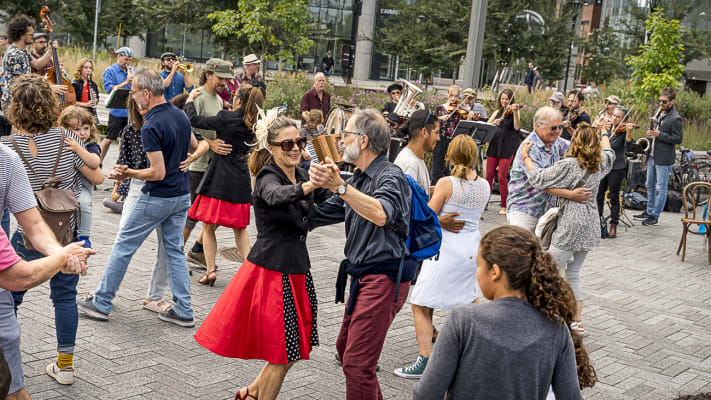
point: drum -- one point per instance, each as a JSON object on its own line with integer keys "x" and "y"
{"x": 336, "y": 120}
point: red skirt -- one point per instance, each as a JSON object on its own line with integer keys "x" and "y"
{"x": 214, "y": 211}
{"x": 263, "y": 314}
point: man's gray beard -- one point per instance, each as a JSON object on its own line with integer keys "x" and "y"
{"x": 351, "y": 153}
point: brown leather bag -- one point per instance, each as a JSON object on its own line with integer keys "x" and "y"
{"x": 56, "y": 206}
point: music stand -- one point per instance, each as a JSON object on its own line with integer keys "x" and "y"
{"x": 482, "y": 132}
{"x": 118, "y": 98}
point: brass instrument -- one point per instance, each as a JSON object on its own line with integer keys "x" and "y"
{"x": 644, "y": 143}
{"x": 654, "y": 125}
{"x": 405, "y": 107}
{"x": 183, "y": 66}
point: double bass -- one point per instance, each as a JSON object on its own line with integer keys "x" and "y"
{"x": 54, "y": 73}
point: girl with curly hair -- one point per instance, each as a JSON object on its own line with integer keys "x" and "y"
{"x": 519, "y": 344}
{"x": 589, "y": 159}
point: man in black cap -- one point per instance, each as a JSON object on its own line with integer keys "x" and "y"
{"x": 327, "y": 64}
{"x": 39, "y": 52}
{"x": 395, "y": 91}
{"x": 175, "y": 81}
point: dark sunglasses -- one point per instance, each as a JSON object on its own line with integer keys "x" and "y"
{"x": 288, "y": 145}
{"x": 395, "y": 92}
{"x": 169, "y": 59}
{"x": 555, "y": 128}
{"x": 663, "y": 101}
{"x": 429, "y": 115}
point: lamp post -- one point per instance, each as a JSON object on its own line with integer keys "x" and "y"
{"x": 575, "y": 6}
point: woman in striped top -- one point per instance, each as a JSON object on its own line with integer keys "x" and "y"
{"x": 34, "y": 111}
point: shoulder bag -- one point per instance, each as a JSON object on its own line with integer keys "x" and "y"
{"x": 548, "y": 223}
{"x": 56, "y": 206}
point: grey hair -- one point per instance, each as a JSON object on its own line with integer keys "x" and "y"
{"x": 622, "y": 108}
{"x": 145, "y": 78}
{"x": 545, "y": 115}
{"x": 319, "y": 75}
{"x": 373, "y": 125}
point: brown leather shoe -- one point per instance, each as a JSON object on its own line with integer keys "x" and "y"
{"x": 612, "y": 233}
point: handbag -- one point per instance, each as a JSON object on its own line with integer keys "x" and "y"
{"x": 548, "y": 223}
{"x": 56, "y": 206}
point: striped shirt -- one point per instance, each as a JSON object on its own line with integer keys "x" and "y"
{"x": 15, "y": 190}
{"x": 47, "y": 147}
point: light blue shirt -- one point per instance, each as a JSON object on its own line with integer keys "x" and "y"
{"x": 177, "y": 84}
{"x": 115, "y": 75}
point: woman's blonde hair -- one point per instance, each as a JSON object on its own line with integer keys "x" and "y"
{"x": 452, "y": 87}
{"x": 585, "y": 146}
{"x": 462, "y": 155}
{"x": 34, "y": 107}
{"x": 314, "y": 117}
{"x": 80, "y": 66}
{"x": 74, "y": 116}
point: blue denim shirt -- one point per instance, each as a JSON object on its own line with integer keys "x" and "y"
{"x": 114, "y": 75}
{"x": 523, "y": 197}
{"x": 177, "y": 84}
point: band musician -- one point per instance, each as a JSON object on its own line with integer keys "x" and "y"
{"x": 575, "y": 115}
{"x": 395, "y": 91}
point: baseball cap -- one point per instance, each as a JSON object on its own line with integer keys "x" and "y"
{"x": 219, "y": 67}
{"x": 557, "y": 97}
{"x": 125, "y": 51}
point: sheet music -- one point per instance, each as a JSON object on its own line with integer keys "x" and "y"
{"x": 312, "y": 152}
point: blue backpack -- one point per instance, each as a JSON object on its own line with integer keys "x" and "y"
{"x": 425, "y": 235}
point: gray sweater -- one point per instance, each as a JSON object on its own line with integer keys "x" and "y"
{"x": 503, "y": 349}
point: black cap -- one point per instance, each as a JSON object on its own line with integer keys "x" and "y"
{"x": 168, "y": 54}
{"x": 392, "y": 117}
{"x": 394, "y": 86}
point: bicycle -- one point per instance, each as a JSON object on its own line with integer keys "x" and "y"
{"x": 685, "y": 172}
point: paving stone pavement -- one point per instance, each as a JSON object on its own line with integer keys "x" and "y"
{"x": 647, "y": 316}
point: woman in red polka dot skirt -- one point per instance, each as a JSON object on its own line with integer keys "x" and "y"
{"x": 268, "y": 310}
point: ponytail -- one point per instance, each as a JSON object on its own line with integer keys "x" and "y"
{"x": 533, "y": 271}
{"x": 257, "y": 160}
{"x": 251, "y": 97}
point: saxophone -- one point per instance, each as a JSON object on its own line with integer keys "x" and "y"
{"x": 653, "y": 126}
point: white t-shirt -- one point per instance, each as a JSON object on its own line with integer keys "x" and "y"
{"x": 415, "y": 167}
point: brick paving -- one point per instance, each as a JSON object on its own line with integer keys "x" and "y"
{"x": 647, "y": 315}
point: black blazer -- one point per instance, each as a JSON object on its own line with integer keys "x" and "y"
{"x": 78, "y": 86}
{"x": 282, "y": 213}
{"x": 670, "y": 134}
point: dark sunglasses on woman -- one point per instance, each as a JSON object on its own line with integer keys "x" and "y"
{"x": 288, "y": 145}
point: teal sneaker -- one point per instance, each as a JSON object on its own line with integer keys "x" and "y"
{"x": 415, "y": 370}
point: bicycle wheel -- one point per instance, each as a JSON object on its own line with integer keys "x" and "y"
{"x": 704, "y": 171}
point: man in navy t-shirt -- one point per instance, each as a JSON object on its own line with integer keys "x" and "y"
{"x": 164, "y": 204}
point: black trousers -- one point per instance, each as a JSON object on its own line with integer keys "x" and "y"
{"x": 613, "y": 182}
{"x": 439, "y": 166}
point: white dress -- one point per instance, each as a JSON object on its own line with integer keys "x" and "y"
{"x": 451, "y": 279}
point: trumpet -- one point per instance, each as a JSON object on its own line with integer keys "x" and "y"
{"x": 184, "y": 66}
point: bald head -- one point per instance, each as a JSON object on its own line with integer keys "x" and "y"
{"x": 319, "y": 81}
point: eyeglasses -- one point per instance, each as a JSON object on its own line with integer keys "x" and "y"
{"x": 288, "y": 145}
{"x": 396, "y": 92}
{"x": 345, "y": 132}
{"x": 555, "y": 128}
{"x": 41, "y": 42}
{"x": 169, "y": 59}
{"x": 663, "y": 101}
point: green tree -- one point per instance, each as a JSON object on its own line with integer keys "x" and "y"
{"x": 658, "y": 63}
{"x": 603, "y": 56}
{"x": 429, "y": 35}
{"x": 274, "y": 29}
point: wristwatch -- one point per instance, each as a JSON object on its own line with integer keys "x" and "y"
{"x": 341, "y": 190}
{"x": 605, "y": 134}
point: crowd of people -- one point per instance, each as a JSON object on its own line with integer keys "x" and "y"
{"x": 213, "y": 154}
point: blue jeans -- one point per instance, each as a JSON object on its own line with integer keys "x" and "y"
{"x": 85, "y": 199}
{"x": 657, "y": 185}
{"x": 150, "y": 212}
{"x": 63, "y": 292}
{"x": 5, "y": 223}
{"x": 159, "y": 275}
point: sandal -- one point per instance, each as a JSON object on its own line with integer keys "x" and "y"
{"x": 238, "y": 396}
{"x": 209, "y": 278}
{"x": 156, "y": 305}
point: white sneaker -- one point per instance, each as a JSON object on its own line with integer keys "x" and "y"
{"x": 64, "y": 376}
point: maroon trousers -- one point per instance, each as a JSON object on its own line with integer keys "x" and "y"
{"x": 362, "y": 334}
{"x": 503, "y": 164}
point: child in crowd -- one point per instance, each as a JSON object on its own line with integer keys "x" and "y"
{"x": 517, "y": 345}
{"x": 82, "y": 123}
{"x": 312, "y": 128}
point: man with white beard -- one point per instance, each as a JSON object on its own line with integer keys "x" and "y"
{"x": 375, "y": 205}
